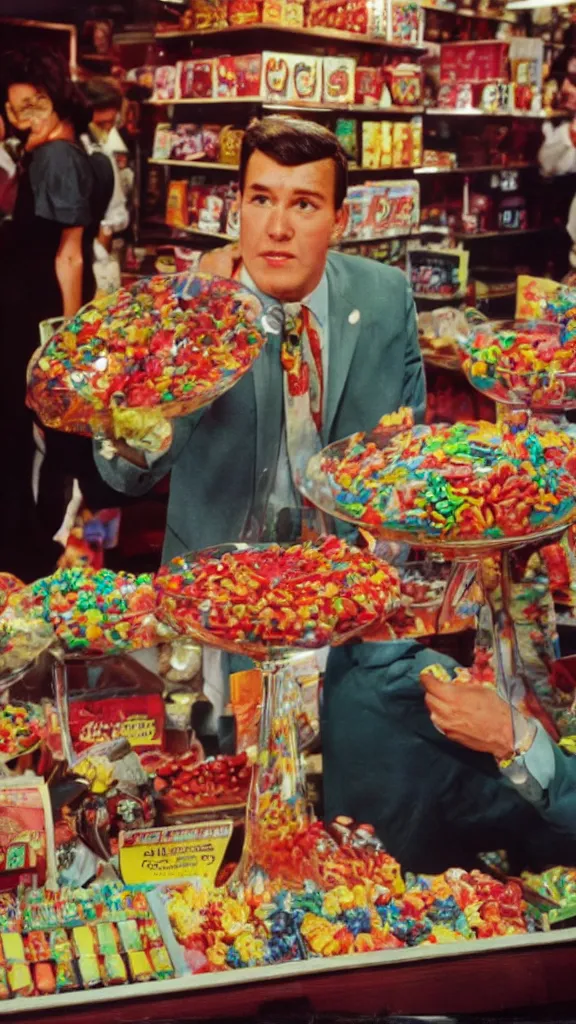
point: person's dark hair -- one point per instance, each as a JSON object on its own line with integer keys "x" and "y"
{"x": 48, "y": 72}
{"x": 291, "y": 142}
{"x": 100, "y": 94}
{"x": 559, "y": 66}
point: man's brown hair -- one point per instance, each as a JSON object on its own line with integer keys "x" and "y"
{"x": 291, "y": 142}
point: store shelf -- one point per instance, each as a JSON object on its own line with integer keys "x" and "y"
{"x": 379, "y": 238}
{"x": 480, "y": 169}
{"x": 344, "y": 108}
{"x": 463, "y": 12}
{"x": 439, "y": 112}
{"x": 219, "y": 235}
{"x": 463, "y": 236}
{"x": 195, "y": 165}
{"x": 424, "y": 297}
{"x": 323, "y": 34}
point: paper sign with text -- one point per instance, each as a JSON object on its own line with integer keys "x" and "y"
{"x": 174, "y": 853}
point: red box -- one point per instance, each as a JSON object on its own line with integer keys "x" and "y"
{"x": 368, "y": 86}
{"x": 198, "y": 78}
{"x": 248, "y": 70}
{"x": 474, "y": 62}
{"x": 138, "y": 718}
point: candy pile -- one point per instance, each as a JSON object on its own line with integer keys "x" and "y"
{"x": 307, "y": 595}
{"x": 231, "y": 927}
{"x": 558, "y": 884}
{"x": 21, "y": 727}
{"x": 93, "y": 612}
{"x": 519, "y": 363}
{"x": 181, "y": 783}
{"x": 466, "y": 482}
{"x": 65, "y": 940}
{"x": 170, "y": 344}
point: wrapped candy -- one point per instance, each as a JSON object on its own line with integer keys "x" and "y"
{"x": 162, "y": 348}
{"x": 307, "y": 595}
{"x": 23, "y": 638}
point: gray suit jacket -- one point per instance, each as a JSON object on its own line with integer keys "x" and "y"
{"x": 223, "y": 459}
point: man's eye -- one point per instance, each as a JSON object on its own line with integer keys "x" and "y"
{"x": 305, "y": 204}
{"x": 260, "y": 200}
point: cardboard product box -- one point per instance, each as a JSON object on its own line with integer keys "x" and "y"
{"x": 244, "y": 12}
{"x": 474, "y": 62}
{"x": 187, "y": 142}
{"x": 226, "y": 87}
{"x": 368, "y": 86}
{"x": 339, "y": 79}
{"x": 198, "y": 78}
{"x": 166, "y": 83}
{"x": 305, "y": 83}
{"x": 275, "y": 77}
{"x": 248, "y": 72}
{"x": 405, "y": 22}
{"x": 162, "y": 147}
{"x": 356, "y": 209}
{"x": 394, "y": 208}
{"x": 371, "y": 144}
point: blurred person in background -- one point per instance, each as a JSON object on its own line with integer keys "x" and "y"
{"x": 46, "y": 272}
{"x": 557, "y": 155}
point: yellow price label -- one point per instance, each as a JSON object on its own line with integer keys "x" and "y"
{"x": 174, "y": 853}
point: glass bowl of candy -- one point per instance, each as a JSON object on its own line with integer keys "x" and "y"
{"x": 455, "y": 490}
{"x": 423, "y": 610}
{"x": 93, "y": 613}
{"x": 164, "y": 347}
{"x": 21, "y": 729}
{"x": 260, "y": 599}
{"x": 521, "y": 363}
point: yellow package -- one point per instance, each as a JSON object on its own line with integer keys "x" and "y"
{"x": 371, "y": 144}
{"x": 385, "y": 144}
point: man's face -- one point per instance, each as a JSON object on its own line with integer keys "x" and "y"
{"x": 288, "y": 221}
{"x": 568, "y": 90}
{"x": 104, "y": 121}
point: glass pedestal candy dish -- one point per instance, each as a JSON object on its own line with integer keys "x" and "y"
{"x": 165, "y": 347}
{"x": 424, "y": 608}
{"x": 467, "y": 492}
{"x": 265, "y": 601}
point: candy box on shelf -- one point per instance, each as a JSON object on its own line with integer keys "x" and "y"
{"x": 350, "y": 17}
{"x": 244, "y": 12}
{"x": 177, "y": 204}
{"x": 165, "y": 83}
{"x": 230, "y": 144}
{"x": 248, "y": 73}
{"x": 225, "y": 78}
{"x": 405, "y": 84}
{"x": 138, "y": 718}
{"x": 346, "y": 133}
{"x": 292, "y": 13}
{"x": 368, "y": 86}
{"x": 474, "y": 62}
{"x": 437, "y": 272}
{"x": 339, "y": 79}
{"x": 209, "y": 14}
{"x": 406, "y": 143}
{"x": 406, "y": 22}
{"x": 372, "y": 155}
{"x": 198, "y": 78}
{"x": 162, "y": 148}
{"x": 305, "y": 82}
{"x": 187, "y": 142}
{"x": 275, "y": 81}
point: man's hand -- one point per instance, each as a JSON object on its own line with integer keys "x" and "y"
{"x": 471, "y": 714}
{"x": 572, "y": 131}
{"x": 223, "y": 262}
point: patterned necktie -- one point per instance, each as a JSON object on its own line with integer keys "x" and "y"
{"x": 301, "y": 358}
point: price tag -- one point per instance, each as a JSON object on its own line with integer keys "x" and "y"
{"x": 174, "y": 853}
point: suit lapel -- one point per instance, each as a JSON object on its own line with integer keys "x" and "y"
{"x": 344, "y": 319}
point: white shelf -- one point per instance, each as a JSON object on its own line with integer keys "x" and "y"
{"x": 194, "y": 165}
{"x": 292, "y": 30}
{"x": 439, "y": 112}
{"x": 345, "y": 108}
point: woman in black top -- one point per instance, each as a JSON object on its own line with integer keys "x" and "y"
{"x": 46, "y": 272}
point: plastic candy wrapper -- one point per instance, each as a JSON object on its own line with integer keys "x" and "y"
{"x": 64, "y": 940}
{"x": 438, "y": 333}
{"x": 93, "y": 612}
{"x": 441, "y": 487}
{"x": 522, "y": 363}
{"x": 23, "y": 638}
{"x": 253, "y": 598}
{"x": 162, "y": 348}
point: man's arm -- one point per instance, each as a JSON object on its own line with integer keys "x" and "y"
{"x": 557, "y": 154}
{"x": 414, "y": 382}
{"x": 138, "y": 473}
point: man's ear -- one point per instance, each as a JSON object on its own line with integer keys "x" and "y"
{"x": 339, "y": 225}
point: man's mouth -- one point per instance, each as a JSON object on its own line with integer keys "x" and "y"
{"x": 276, "y": 258}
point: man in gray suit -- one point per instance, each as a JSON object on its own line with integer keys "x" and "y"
{"x": 231, "y": 472}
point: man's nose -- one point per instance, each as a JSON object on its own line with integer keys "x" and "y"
{"x": 279, "y": 226}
